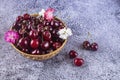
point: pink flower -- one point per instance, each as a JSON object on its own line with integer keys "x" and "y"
{"x": 49, "y": 14}
{"x": 11, "y": 36}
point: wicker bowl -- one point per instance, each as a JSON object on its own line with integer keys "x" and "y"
{"x": 43, "y": 56}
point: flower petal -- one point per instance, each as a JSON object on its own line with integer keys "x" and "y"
{"x": 41, "y": 13}
{"x": 11, "y": 36}
{"x": 49, "y": 14}
{"x": 61, "y": 31}
{"x": 69, "y": 31}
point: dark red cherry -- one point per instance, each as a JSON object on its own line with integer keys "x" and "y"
{"x": 21, "y": 31}
{"x": 25, "y": 50}
{"x": 46, "y": 35}
{"x": 19, "y": 18}
{"x": 94, "y": 46}
{"x": 36, "y": 22}
{"x": 51, "y": 42}
{"x": 56, "y": 45}
{"x": 40, "y": 28}
{"x": 45, "y": 45}
{"x": 17, "y": 26}
{"x": 26, "y": 16}
{"x": 73, "y": 54}
{"x": 36, "y": 52}
{"x": 46, "y": 23}
{"x": 24, "y": 42}
{"x": 56, "y": 24}
{"x": 86, "y": 45}
{"x": 78, "y": 61}
{"x": 34, "y": 43}
{"x": 52, "y": 23}
{"x": 55, "y": 33}
{"x": 33, "y": 34}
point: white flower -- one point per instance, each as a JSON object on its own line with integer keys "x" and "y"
{"x": 41, "y": 13}
{"x": 65, "y": 33}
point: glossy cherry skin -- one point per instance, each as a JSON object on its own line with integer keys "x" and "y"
{"x": 55, "y": 33}
{"x": 24, "y": 42}
{"x": 52, "y": 23}
{"x": 25, "y": 50}
{"x": 26, "y": 16}
{"x": 73, "y": 54}
{"x": 56, "y": 24}
{"x": 94, "y": 46}
{"x": 34, "y": 43}
{"x": 56, "y": 45}
{"x": 46, "y": 35}
{"x": 78, "y": 61}
{"x": 36, "y": 52}
{"x": 40, "y": 28}
{"x": 19, "y": 18}
{"x": 86, "y": 45}
{"x": 33, "y": 34}
{"x": 45, "y": 45}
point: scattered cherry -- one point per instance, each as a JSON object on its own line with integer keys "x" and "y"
{"x": 73, "y": 54}
{"x": 78, "y": 61}
{"x": 86, "y": 45}
{"x": 94, "y": 46}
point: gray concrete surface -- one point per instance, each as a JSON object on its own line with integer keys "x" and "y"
{"x": 101, "y": 18}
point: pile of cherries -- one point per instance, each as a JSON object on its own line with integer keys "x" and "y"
{"x": 37, "y": 35}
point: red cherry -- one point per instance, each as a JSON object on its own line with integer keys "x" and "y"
{"x": 94, "y": 46}
{"x": 78, "y": 61}
{"x": 46, "y": 23}
{"x": 55, "y": 33}
{"x": 25, "y": 50}
{"x": 19, "y": 18}
{"x": 24, "y": 42}
{"x": 36, "y": 52}
{"x": 86, "y": 45}
{"x": 46, "y": 35}
{"x": 57, "y": 24}
{"x": 73, "y": 54}
{"x": 40, "y": 28}
{"x": 34, "y": 43}
{"x": 33, "y": 34}
{"x": 52, "y": 23}
{"x": 26, "y": 16}
{"x": 45, "y": 45}
{"x": 56, "y": 45}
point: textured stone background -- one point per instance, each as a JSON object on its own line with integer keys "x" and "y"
{"x": 99, "y": 17}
